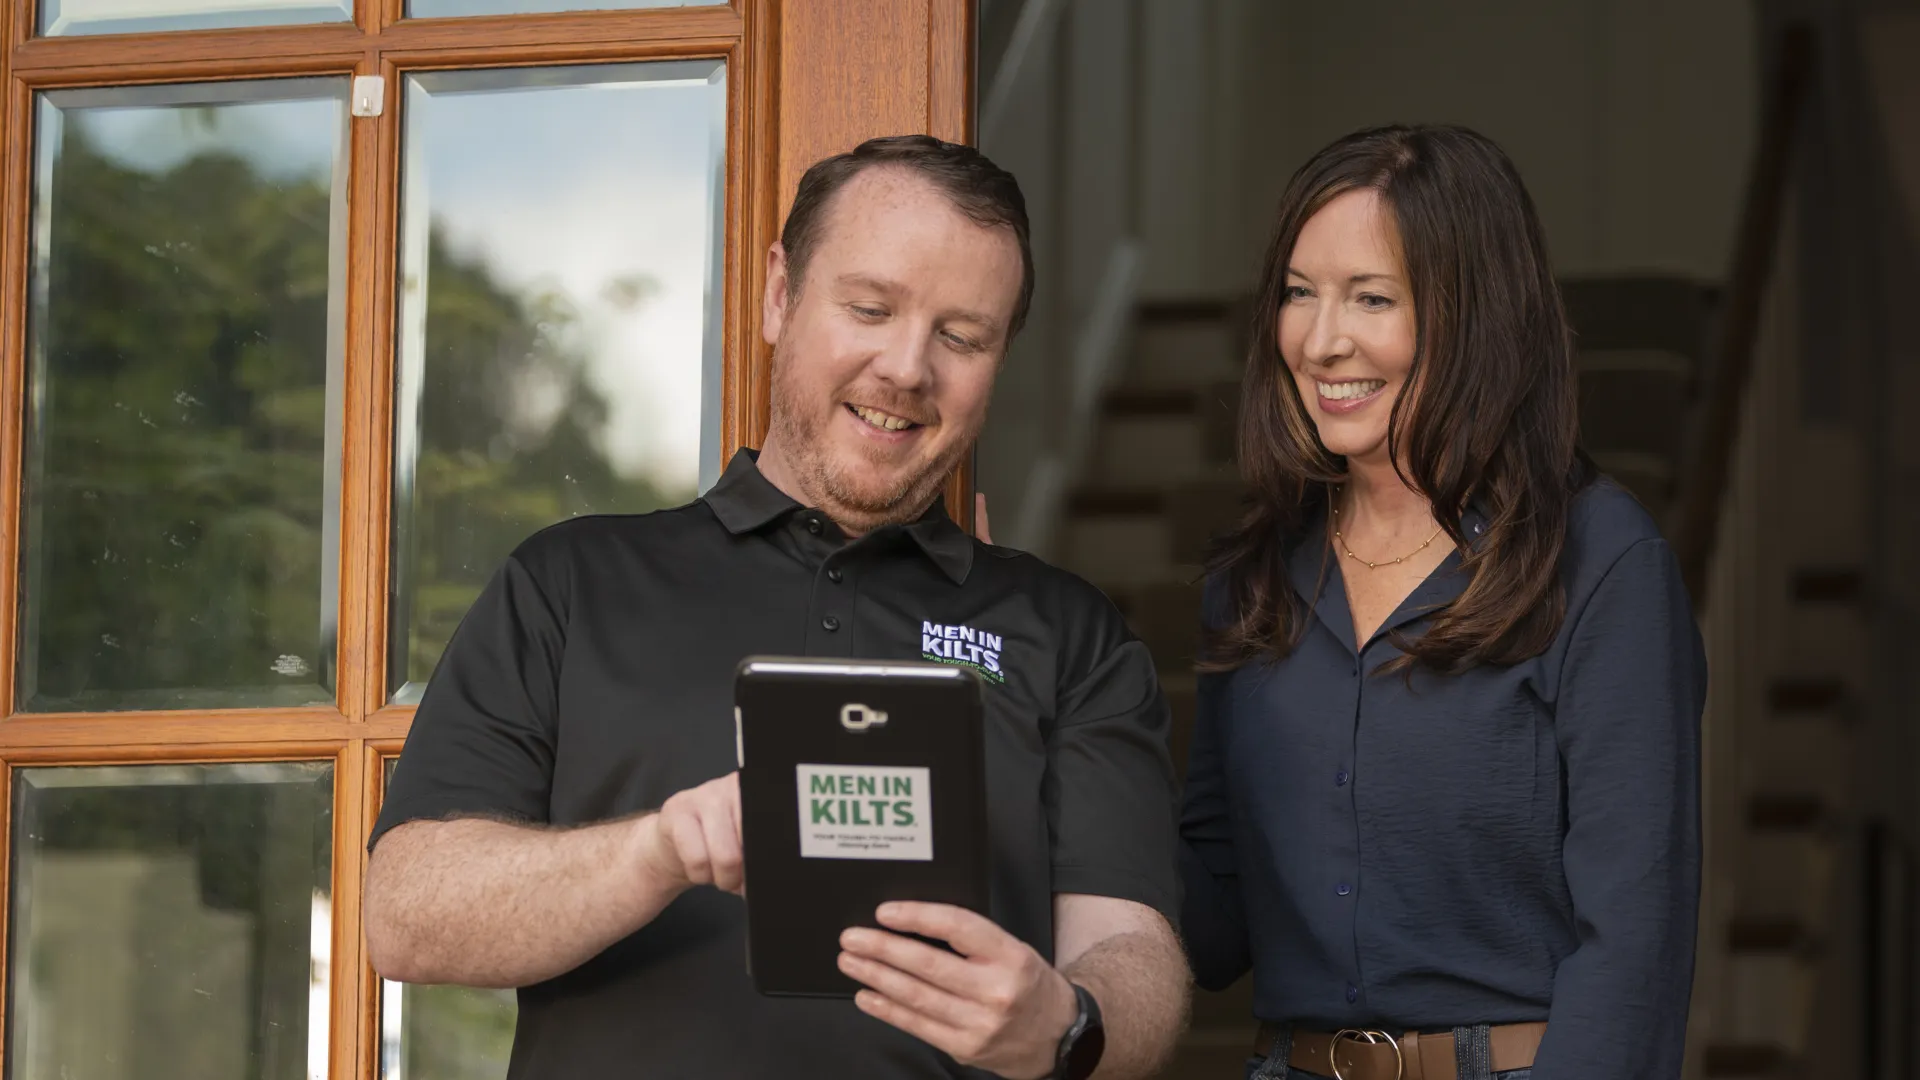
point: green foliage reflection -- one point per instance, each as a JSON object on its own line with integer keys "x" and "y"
{"x": 509, "y": 426}
{"x": 177, "y": 484}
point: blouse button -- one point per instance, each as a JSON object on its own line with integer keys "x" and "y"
{"x": 1343, "y": 888}
{"x": 830, "y": 624}
{"x": 1340, "y": 778}
{"x": 1353, "y": 994}
{"x": 834, "y": 575}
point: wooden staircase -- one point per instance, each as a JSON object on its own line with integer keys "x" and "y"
{"x": 1160, "y": 484}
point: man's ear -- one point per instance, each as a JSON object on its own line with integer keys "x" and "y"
{"x": 773, "y": 301}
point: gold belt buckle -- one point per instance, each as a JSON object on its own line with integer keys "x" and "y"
{"x": 1370, "y": 1037}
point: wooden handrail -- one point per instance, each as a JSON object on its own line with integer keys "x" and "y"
{"x": 1703, "y": 477}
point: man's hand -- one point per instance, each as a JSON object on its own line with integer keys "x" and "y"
{"x": 695, "y": 838}
{"x": 997, "y": 1006}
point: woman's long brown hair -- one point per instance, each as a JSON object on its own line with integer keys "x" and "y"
{"x": 1488, "y": 411}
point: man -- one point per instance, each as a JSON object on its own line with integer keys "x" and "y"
{"x": 592, "y": 681}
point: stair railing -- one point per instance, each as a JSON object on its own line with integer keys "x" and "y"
{"x": 1035, "y": 17}
{"x": 1705, "y": 470}
{"x": 1096, "y": 349}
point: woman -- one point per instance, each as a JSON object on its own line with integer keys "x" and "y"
{"x": 1443, "y": 795}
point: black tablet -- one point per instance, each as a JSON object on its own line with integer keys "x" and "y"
{"x": 860, "y": 782}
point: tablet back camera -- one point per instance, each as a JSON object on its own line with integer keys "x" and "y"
{"x": 857, "y": 718}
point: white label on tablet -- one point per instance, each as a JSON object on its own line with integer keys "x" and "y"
{"x": 865, "y": 812}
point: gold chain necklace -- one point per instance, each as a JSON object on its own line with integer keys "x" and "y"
{"x": 1334, "y": 503}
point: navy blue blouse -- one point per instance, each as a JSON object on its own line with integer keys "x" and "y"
{"x": 1511, "y": 844}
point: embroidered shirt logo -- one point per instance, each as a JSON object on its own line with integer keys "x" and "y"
{"x": 964, "y": 646}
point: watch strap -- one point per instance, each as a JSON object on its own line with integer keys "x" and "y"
{"x": 1085, "y": 1041}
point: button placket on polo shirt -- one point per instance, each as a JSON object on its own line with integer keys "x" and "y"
{"x": 830, "y": 601}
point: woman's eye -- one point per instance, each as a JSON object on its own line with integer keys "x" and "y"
{"x": 1297, "y": 292}
{"x": 1375, "y": 302}
{"x": 868, "y": 312}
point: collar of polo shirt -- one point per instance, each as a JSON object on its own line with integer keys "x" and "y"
{"x": 746, "y": 501}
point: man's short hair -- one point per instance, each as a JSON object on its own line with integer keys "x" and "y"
{"x": 976, "y": 186}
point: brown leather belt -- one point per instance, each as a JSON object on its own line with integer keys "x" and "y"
{"x": 1374, "y": 1055}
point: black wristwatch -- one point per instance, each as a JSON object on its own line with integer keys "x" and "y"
{"x": 1084, "y": 1042}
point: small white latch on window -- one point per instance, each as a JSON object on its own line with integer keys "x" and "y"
{"x": 369, "y": 95}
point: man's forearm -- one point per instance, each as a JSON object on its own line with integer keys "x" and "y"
{"x": 1140, "y": 980}
{"x": 485, "y": 903}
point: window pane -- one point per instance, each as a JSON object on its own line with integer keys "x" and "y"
{"x": 185, "y": 352}
{"x": 444, "y": 1032}
{"x": 64, "y": 17}
{"x": 559, "y": 339}
{"x": 444, "y": 9}
{"x": 171, "y": 920}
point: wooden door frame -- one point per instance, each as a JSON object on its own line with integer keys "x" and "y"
{"x": 805, "y": 78}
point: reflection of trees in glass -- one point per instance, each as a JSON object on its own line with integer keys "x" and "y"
{"x": 456, "y": 1033}
{"x": 179, "y": 493}
{"x": 164, "y": 920}
{"x": 509, "y": 429}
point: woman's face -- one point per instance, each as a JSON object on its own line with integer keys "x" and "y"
{"x": 1346, "y": 323}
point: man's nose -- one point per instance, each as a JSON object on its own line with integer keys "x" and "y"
{"x": 906, "y": 361}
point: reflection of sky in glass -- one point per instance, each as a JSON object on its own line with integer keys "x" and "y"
{"x": 290, "y": 134}
{"x": 59, "y": 17}
{"x": 601, "y": 183}
{"x": 275, "y": 137}
{"x": 442, "y": 9}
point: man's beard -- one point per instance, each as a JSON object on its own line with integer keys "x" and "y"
{"x": 798, "y": 431}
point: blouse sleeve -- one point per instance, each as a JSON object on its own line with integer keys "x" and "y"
{"x": 1213, "y": 917}
{"x": 1631, "y": 693}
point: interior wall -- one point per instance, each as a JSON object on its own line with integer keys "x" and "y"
{"x": 1179, "y": 122}
{"x": 1631, "y": 120}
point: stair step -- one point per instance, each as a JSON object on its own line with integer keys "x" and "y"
{"x": 1638, "y": 312}
{"x": 1766, "y": 997}
{"x": 1786, "y": 811}
{"x": 1144, "y": 449}
{"x": 1829, "y": 585}
{"x": 1639, "y": 410}
{"x": 1200, "y": 512}
{"x": 1822, "y": 644}
{"x": 1118, "y": 545}
{"x": 1203, "y": 309}
{"x": 1150, "y": 401}
{"x": 1165, "y": 615}
{"x": 1783, "y": 874}
{"x": 1172, "y": 349}
{"x": 1744, "y": 1059}
{"x": 1793, "y": 752}
{"x": 1813, "y": 694}
{"x": 1767, "y": 934}
{"x": 1115, "y": 502}
{"x": 1220, "y": 420}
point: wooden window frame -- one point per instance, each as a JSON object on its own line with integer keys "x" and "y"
{"x": 805, "y": 78}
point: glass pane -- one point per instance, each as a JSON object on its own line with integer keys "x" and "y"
{"x": 68, "y": 17}
{"x": 444, "y": 1032}
{"x": 443, "y": 9}
{"x": 171, "y": 920}
{"x": 185, "y": 350}
{"x": 559, "y": 337}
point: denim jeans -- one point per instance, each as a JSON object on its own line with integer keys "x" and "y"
{"x": 1472, "y": 1060}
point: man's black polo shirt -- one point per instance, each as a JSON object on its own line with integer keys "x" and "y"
{"x": 594, "y": 678}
